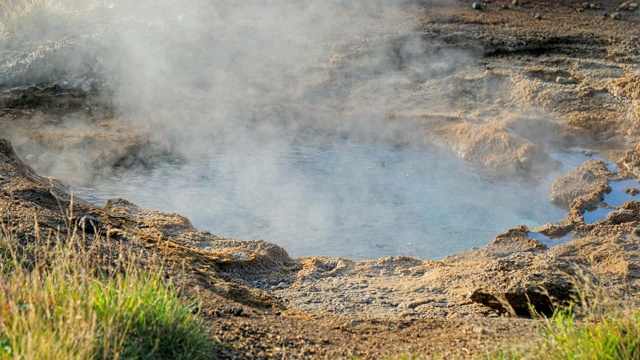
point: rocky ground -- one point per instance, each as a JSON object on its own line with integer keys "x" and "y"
{"x": 556, "y": 75}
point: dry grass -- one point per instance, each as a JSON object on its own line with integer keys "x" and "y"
{"x": 56, "y": 304}
{"x": 595, "y": 326}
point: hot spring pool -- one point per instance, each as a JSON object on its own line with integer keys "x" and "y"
{"x": 348, "y": 200}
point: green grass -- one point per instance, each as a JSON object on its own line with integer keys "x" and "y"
{"x": 613, "y": 333}
{"x": 54, "y": 306}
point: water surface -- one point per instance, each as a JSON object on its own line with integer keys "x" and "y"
{"x": 346, "y": 199}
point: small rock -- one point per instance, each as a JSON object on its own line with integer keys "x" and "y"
{"x": 632, "y": 191}
{"x": 616, "y": 16}
{"x": 218, "y": 313}
{"x": 516, "y": 2}
{"x": 89, "y": 224}
{"x": 224, "y": 327}
{"x": 505, "y": 6}
{"x": 622, "y": 216}
{"x": 538, "y": 16}
{"x": 628, "y": 5}
{"x": 237, "y": 311}
{"x": 476, "y": 6}
{"x": 605, "y": 15}
{"x": 480, "y": 330}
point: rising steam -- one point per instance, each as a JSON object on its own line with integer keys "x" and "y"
{"x": 246, "y": 84}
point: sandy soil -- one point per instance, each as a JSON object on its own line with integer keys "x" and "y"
{"x": 566, "y": 80}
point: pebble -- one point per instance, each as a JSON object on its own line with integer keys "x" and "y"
{"x": 505, "y": 6}
{"x": 538, "y": 16}
{"x": 616, "y": 16}
{"x": 480, "y": 330}
{"x": 476, "y": 6}
{"x": 237, "y": 311}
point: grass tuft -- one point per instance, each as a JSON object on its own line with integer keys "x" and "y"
{"x": 54, "y": 306}
{"x": 606, "y": 329}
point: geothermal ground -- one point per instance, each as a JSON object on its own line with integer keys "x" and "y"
{"x": 506, "y": 86}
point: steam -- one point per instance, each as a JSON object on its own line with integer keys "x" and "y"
{"x": 239, "y": 86}
{"x": 230, "y": 72}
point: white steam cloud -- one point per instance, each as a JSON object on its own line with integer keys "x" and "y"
{"x": 229, "y": 77}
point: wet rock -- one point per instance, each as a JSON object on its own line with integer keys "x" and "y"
{"x": 499, "y": 150}
{"x": 628, "y": 212}
{"x": 587, "y": 179}
{"x": 621, "y": 216}
{"x": 513, "y": 241}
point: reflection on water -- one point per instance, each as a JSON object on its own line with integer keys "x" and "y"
{"x": 345, "y": 199}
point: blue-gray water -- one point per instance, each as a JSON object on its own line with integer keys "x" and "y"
{"x": 617, "y": 197}
{"x": 345, "y": 200}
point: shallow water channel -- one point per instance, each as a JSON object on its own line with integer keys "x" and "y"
{"x": 346, "y": 199}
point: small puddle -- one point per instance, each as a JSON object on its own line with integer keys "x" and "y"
{"x": 550, "y": 241}
{"x": 617, "y": 197}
